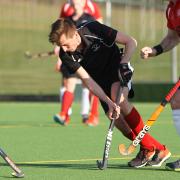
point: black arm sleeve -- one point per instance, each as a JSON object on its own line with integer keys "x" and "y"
{"x": 68, "y": 61}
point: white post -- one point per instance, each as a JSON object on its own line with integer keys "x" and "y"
{"x": 152, "y": 21}
{"x": 142, "y": 18}
{"x": 127, "y": 16}
{"x": 108, "y": 12}
{"x": 174, "y": 65}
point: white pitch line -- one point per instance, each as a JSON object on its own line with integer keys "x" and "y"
{"x": 80, "y": 160}
{"x": 70, "y": 160}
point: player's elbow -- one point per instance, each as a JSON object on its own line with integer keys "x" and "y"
{"x": 133, "y": 42}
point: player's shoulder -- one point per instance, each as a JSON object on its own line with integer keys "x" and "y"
{"x": 66, "y": 9}
{"x": 66, "y": 6}
{"x": 91, "y": 4}
{"x": 89, "y": 25}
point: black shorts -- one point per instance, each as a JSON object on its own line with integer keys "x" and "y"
{"x": 66, "y": 74}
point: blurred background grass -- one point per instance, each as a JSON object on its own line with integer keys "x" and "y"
{"x": 25, "y": 25}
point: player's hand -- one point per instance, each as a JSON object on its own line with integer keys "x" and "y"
{"x": 114, "y": 111}
{"x": 58, "y": 65}
{"x": 56, "y": 50}
{"x": 146, "y": 52}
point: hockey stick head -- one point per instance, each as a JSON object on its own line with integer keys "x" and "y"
{"x": 124, "y": 151}
{"x": 18, "y": 175}
{"x": 28, "y": 55}
{"x": 101, "y": 165}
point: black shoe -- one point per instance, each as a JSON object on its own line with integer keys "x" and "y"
{"x": 85, "y": 117}
{"x": 57, "y": 118}
{"x": 142, "y": 158}
{"x": 159, "y": 157}
{"x": 173, "y": 166}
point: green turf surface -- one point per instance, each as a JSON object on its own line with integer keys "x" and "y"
{"x": 46, "y": 150}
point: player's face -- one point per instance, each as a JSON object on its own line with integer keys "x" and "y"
{"x": 78, "y": 6}
{"x": 79, "y": 3}
{"x": 69, "y": 44}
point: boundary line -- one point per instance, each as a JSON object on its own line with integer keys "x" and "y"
{"x": 80, "y": 160}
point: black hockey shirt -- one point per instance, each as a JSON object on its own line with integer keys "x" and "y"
{"x": 99, "y": 57}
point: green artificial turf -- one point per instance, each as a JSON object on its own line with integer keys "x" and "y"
{"x": 46, "y": 150}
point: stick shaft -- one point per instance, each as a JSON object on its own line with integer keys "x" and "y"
{"x": 39, "y": 55}
{"x": 110, "y": 132}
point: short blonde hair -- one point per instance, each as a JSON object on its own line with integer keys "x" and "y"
{"x": 59, "y": 27}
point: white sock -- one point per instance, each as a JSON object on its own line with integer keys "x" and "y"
{"x": 176, "y": 118}
{"x": 62, "y": 89}
{"x": 85, "y": 101}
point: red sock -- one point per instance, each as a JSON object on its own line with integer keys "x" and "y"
{"x": 156, "y": 144}
{"x": 94, "y": 106}
{"x": 66, "y": 102}
{"x": 135, "y": 122}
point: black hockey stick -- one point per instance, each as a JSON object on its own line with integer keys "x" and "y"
{"x": 102, "y": 164}
{"x": 29, "y": 55}
{"x": 17, "y": 172}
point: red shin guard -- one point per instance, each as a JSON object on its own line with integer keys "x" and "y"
{"x": 135, "y": 122}
{"x": 66, "y": 102}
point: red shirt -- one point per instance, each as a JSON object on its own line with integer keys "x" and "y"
{"x": 89, "y": 8}
{"x": 173, "y": 16}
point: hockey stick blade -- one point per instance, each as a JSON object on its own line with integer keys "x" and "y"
{"x": 124, "y": 151}
{"x": 28, "y": 55}
{"x": 101, "y": 165}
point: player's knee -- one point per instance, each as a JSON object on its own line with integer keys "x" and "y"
{"x": 175, "y": 102}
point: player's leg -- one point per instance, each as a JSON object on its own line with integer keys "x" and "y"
{"x": 152, "y": 152}
{"x": 94, "y": 114}
{"x": 63, "y": 117}
{"x": 122, "y": 124}
{"x": 175, "y": 105}
{"x": 149, "y": 145}
{"x": 85, "y": 104}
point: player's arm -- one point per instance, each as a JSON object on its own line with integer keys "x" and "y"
{"x": 97, "y": 90}
{"x": 129, "y": 43}
{"x": 168, "y": 43}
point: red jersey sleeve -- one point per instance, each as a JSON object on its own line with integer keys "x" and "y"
{"x": 92, "y": 9}
{"x": 97, "y": 13}
{"x": 173, "y": 16}
{"x": 66, "y": 10}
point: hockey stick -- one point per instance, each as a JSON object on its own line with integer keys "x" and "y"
{"x": 150, "y": 122}
{"x": 17, "y": 172}
{"x": 102, "y": 164}
{"x": 38, "y": 55}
